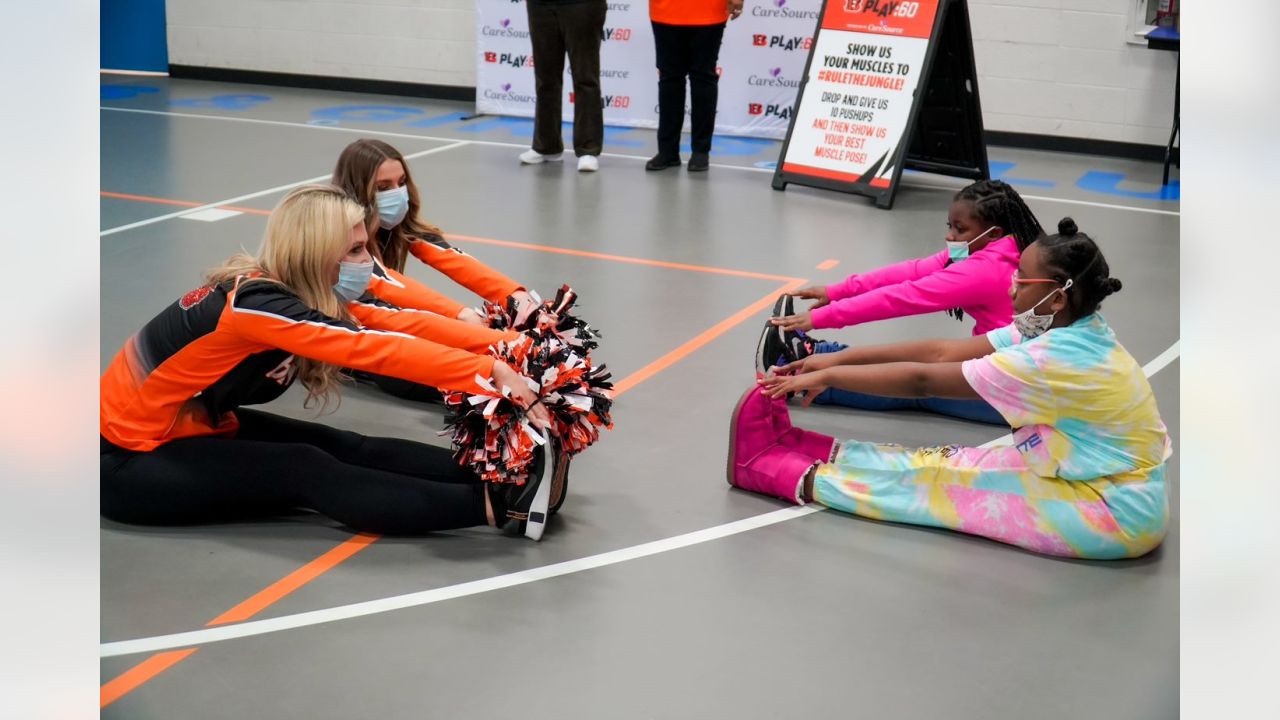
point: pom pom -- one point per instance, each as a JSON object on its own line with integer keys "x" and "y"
{"x": 548, "y": 316}
{"x": 493, "y": 436}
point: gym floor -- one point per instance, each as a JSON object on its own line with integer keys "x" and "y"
{"x": 658, "y": 591}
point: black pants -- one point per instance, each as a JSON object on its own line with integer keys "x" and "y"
{"x": 403, "y": 389}
{"x": 575, "y": 28}
{"x": 275, "y": 465}
{"x": 686, "y": 51}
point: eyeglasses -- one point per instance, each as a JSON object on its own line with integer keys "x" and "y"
{"x": 1019, "y": 280}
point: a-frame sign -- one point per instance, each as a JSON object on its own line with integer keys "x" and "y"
{"x": 862, "y": 113}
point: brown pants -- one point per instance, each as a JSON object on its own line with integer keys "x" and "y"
{"x": 575, "y": 28}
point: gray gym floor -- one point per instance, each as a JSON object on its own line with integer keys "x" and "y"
{"x": 809, "y": 614}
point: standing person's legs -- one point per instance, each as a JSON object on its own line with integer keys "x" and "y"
{"x": 991, "y": 492}
{"x": 583, "y": 25}
{"x": 704, "y": 85}
{"x": 673, "y": 56}
{"x": 196, "y": 480}
{"x": 547, "y": 38}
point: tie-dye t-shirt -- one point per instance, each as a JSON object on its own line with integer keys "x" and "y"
{"x": 1081, "y": 404}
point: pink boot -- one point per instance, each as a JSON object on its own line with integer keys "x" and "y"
{"x": 805, "y": 442}
{"x": 756, "y": 461}
{"x": 815, "y": 446}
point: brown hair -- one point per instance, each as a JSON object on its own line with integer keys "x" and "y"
{"x": 355, "y": 172}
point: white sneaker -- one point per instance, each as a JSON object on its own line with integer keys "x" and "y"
{"x": 588, "y": 163}
{"x": 533, "y": 157}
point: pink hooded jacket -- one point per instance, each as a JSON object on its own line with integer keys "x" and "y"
{"x": 979, "y": 285}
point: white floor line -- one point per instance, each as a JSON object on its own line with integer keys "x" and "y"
{"x": 1045, "y": 198}
{"x": 426, "y": 597}
{"x": 386, "y": 133}
{"x": 1159, "y": 362}
{"x": 260, "y": 193}
{"x": 475, "y": 587}
{"x": 524, "y": 146}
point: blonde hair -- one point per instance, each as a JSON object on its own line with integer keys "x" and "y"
{"x": 308, "y": 233}
{"x": 355, "y": 172}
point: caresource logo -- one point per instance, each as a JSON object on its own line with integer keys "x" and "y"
{"x": 773, "y": 79}
{"x": 507, "y": 96}
{"x": 504, "y": 30}
{"x": 780, "y": 10}
{"x": 782, "y": 42}
{"x": 607, "y": 101}
{"x": 618, "y": 7}
{"x": 782, "y": 112}
{"x": 604, "y": 73}
{"x": 512, "y": 59}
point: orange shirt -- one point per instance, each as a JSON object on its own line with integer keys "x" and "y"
{"x": 233, "y": 344}
{"x": 689, "y": 12}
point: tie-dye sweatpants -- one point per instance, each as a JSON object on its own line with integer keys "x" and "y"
{"x": 992, "y": 492}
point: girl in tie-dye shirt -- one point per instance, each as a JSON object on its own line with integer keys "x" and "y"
{"x": 1085, "y": 473}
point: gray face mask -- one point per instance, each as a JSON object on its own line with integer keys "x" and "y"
{"x": 1029, "y": 324}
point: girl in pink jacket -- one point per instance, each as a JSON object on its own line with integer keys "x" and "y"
{"x": 988, "y": 226}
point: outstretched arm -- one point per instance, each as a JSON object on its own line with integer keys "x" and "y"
{"x": 900, "y": 272}
{"x": 464, "y": 269}
{"x": 898, "y": 379}
{"x": 916, "y": 351}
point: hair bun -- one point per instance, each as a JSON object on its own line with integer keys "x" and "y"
{"x": 1108, "y": 286}
{"x": 1067, "y": 226}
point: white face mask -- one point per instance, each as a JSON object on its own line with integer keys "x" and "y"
{"x": 959, "y": 250}
{"x": 1029, "y": 324}
{"x": 353, "y": 279}
{"x": 393, "y": 205}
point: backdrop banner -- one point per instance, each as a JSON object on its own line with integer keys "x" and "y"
{"x": 762, "y": 60}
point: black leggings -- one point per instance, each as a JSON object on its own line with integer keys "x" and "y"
{"x": 274, "y": 465}
{"x": 403, "y": 389}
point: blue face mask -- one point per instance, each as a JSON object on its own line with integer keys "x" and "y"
{"x": 353, "y": 279}
{"x": 959, "y": 250}
{"x": 393, "y": 205}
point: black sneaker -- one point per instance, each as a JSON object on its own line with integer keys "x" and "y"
{"x": 699, "y": 162}
{"x": 527, "y": 505}
{"x": 662, "y": 162}
{"x": 771, "y": 349}
{"x": 778, "y": 346}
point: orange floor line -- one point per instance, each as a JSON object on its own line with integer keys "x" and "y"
{"x": 701, "y": 339}
{"x": 130, "y": 679}
{"x": 180, "y": 203}
{"x": 271, "y": 594}
{"x": 491, "y": 241}
{"x": 617, "y": 258}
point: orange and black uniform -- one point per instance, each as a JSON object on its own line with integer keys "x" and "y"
{"x": 177, "y": 448}
{"x": 403, "y": 291}
{"x": 686, "y": 38}
{"x": 464, "y": 269}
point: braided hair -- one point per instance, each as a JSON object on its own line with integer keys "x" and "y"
{"x": 1073, "y": 255}
{"x": 996, "y": 202}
